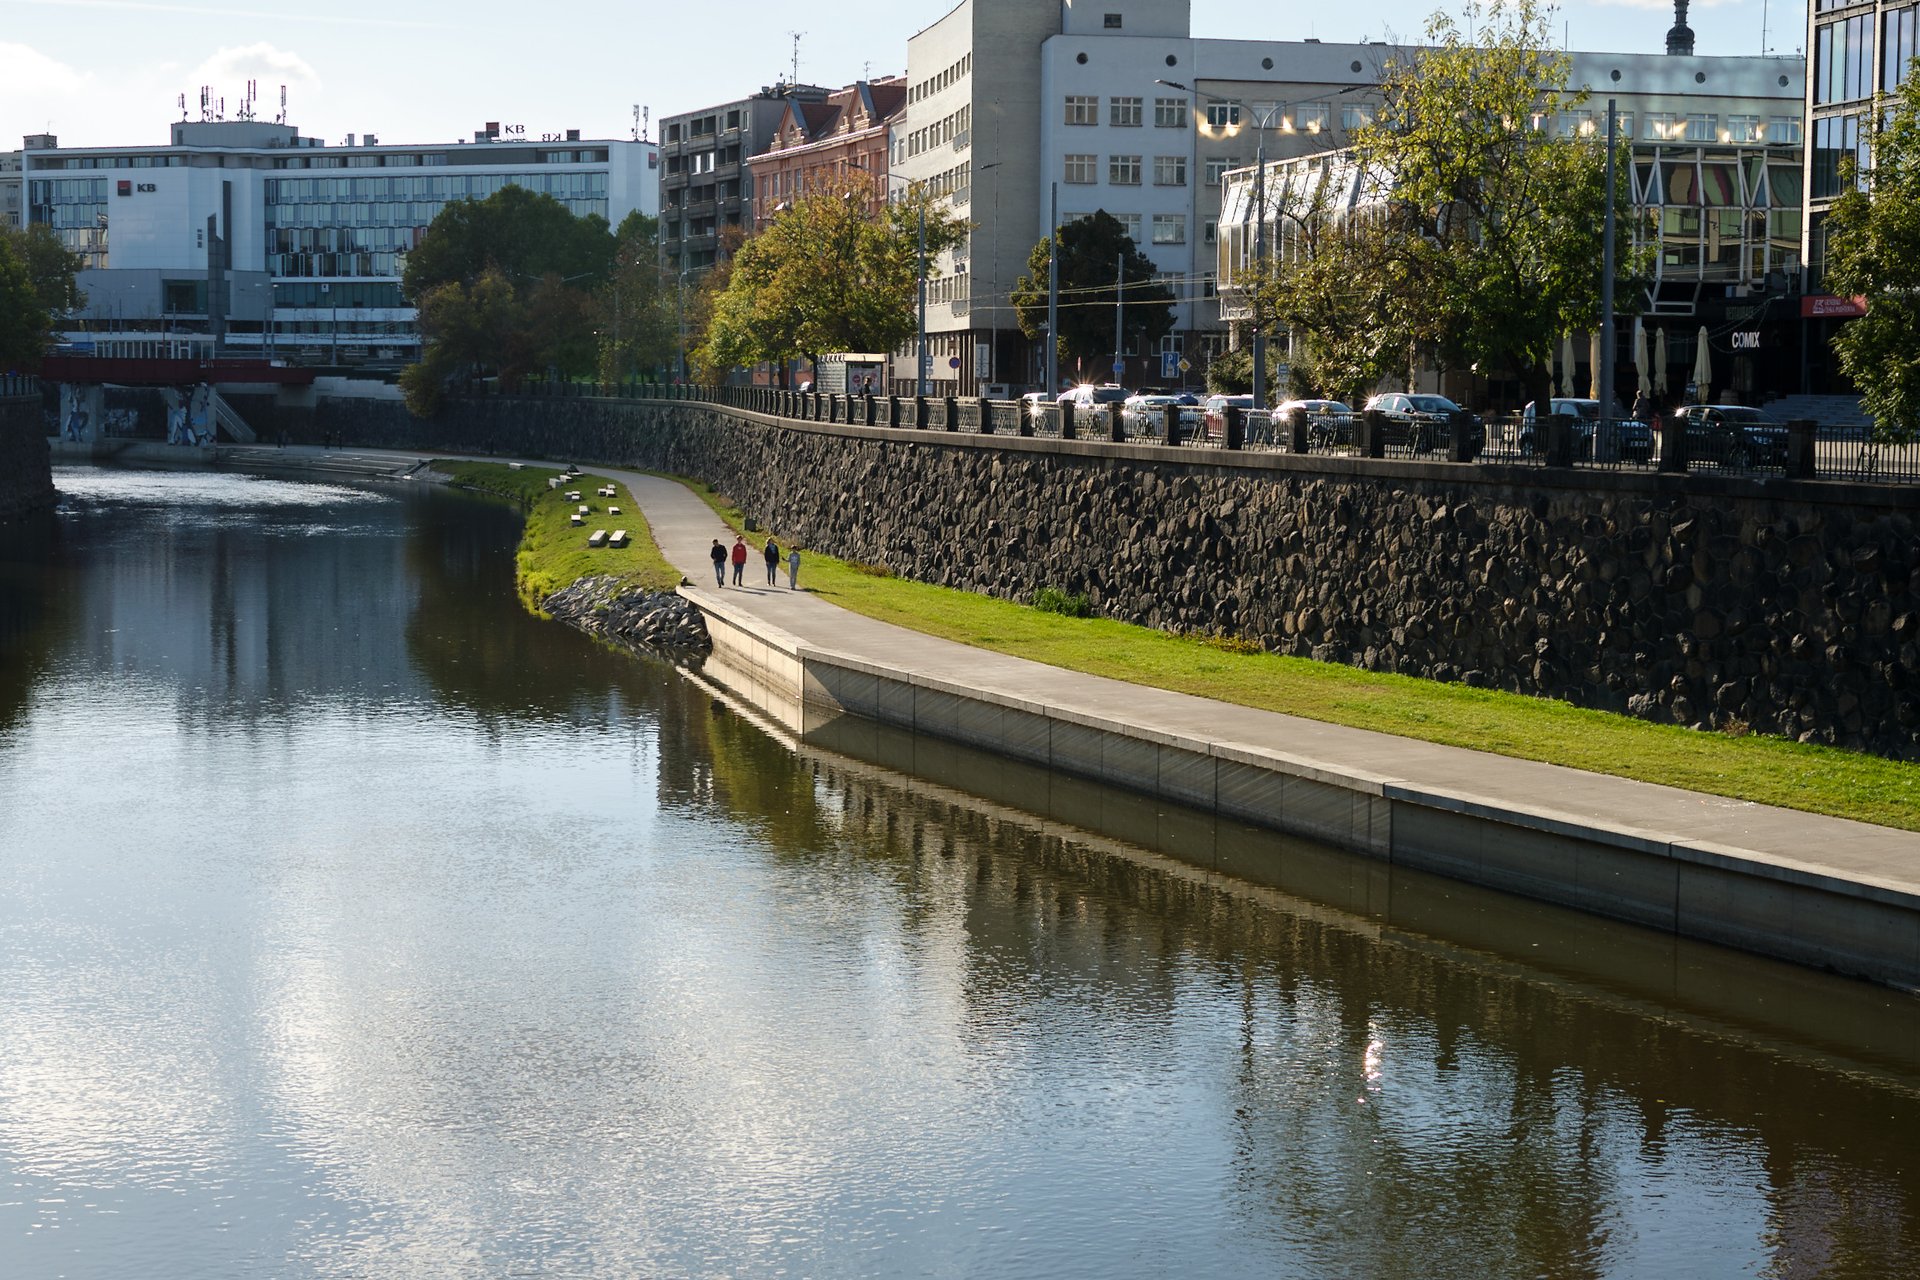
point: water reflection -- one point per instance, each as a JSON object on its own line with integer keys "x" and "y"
{"x": 357, "y": 923}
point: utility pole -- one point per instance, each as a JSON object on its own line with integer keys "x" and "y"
{"x": 1053, "y": 292}
{"x": 926, "y": 372}
{"x": 1260, "y": 265}
{"x": 1119, "y": 318}
{"x": 1606, "y": 275}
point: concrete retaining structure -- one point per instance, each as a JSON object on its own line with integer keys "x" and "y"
{"x": 1691, "y": 888}
{"x": 26, "y": 462}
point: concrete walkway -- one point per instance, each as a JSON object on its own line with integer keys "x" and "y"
{"x": 1799, "y": 846}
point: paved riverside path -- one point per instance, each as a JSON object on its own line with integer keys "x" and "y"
{"x": 1802, "y": 843}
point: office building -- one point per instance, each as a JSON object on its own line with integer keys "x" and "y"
{"x": 706, "y": 188}
{"x": 268, "y": 242}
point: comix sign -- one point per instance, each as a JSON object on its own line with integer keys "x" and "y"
{"x": 1744, "y": 341}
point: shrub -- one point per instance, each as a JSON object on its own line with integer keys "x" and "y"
{"x": 1054, "y": 600}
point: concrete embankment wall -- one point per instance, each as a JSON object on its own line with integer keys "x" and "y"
{"x": 1787, "y": 608}
{"x": 1689, "y": 888}
{"x": 26, "y": 466}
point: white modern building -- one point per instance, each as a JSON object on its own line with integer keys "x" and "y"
{"x": 1115, "y": 104}
{"x": 274, "y": 243}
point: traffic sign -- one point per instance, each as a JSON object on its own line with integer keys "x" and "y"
{"x": 953, "y": 362}
{"x": 1170, "y": 364}
{"x": 1186, "y": 367}
{"x": 1119, "y": 366}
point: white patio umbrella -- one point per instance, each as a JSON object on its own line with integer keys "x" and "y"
{"x": 1660, "y": 361}
{"x": 1640, "y": 357}
{"x": 1566, "y": 366}
{"x": 1593, "y": 372}
{"x": 1703, "y": 368}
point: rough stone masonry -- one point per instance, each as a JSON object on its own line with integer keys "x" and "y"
{"x": 1789, "y": 609}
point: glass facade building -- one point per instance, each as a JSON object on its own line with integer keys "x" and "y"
{"x": 1856, "y": 53}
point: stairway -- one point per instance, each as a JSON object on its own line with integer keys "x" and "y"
{"x": 1835, "y": 413}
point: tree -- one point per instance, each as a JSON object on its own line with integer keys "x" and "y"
{"x": 638, "y": 329}
{"x": 830, "y": 273}
{"x": 1873, "y": 252}
{"x": 506, "y": 285}
{"x": 23, "y": 318}
{"x": 1089, "y": 270}
{"x": 1484, "y": 247}
{"x": 52, "y": 268}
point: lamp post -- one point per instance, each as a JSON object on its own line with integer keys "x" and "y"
{"x": 1262, "y": 121}
{"x": 993, "y": 312}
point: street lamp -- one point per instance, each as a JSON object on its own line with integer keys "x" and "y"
{"x": 993, "y": 312}
{"x": 922, "y": 364}
{"x": 1262, "y": 121}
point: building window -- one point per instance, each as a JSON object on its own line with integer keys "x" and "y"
{"x": 1573, "y": 124}
{"x": 1223, "y": 115}
{"x": 1745, "y": 129}
{"x": 1899, "y": 42}
{"x": 1169, "y": 171}
{"x": 1355, "y": 115}
{"x": 1169, "y": 228}
{"x": 1082, "y": 109}
{"x": 1112, "y": 22}
{"x": 1702, "y": 126}
{"x": 1170, "y": 113}
{"x": 1209, "y": 232}
{"x": 1123, "y": 171}
{"x": 1662, "y": 126}
{"x": 1784, "y": 131}
{"x": 1836, "y": 139}
{"x": 1124, "y": 113}
{"x": 1843, "y": 60}
{"x": 1217, "y": 167}
{"x": 1312, "y": 117}
{"x": 1130, "y": 223}
{"x": 1081, "y": 169}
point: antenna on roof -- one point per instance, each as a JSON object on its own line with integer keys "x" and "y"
{"x": 282, "y": 117}
{"x": 796, "y": 56}
{"x": 183, "y": 106}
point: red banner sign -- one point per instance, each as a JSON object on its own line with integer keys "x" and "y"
{"x": 1818, "y": 305}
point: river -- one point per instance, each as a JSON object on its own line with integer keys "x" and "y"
{"x": 356, "y": 923}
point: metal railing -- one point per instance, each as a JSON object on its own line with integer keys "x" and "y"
{"x": 18, "y": 386}
{"x": 1799, "y": 450}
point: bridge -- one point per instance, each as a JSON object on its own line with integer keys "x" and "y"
{"x": 186, "y": 377}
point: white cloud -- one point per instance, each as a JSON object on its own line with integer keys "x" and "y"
{"x": 228, "y": 69}
{"x": 32, "y": 76}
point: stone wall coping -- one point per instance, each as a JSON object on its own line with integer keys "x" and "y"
{"x": 1898, "y": 497}
{"x": 1544, "y": 819}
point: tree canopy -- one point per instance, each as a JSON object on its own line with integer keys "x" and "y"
{"x": 638, "y": 333}
{"x": 521, "y": 234}
{"x": 1091, "y": 252}
{"x": 1485, "y": 247}
{"x": 829, "y": 273}
{"x": 37, "y": 288}
{"x": 1873, "y": 251}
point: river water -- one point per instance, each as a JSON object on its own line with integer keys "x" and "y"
{"x": 355, "y": 923}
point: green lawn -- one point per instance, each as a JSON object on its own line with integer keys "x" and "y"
{"x": 553, "y": 552}
{"x": 1765, "y": 770}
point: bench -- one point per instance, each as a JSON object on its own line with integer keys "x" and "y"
{"x": 613, "y": 511}
{"x": 619, "y": 538}
{"x": 598, "y": 538}
{"x": 576, "y": 519}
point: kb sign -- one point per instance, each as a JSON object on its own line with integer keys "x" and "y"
{"x": 1744, "y": 341}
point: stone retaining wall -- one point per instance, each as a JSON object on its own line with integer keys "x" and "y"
{"x": 1787, "y": 608}
{"x": 26, "y": 466}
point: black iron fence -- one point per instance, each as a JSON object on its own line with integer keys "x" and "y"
{"x": 1799, "y": 449}
{"x": 18, "y": 386}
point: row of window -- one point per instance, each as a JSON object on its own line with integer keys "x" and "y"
{"x": 937, "y": 134}
{"x": 346, "y": 293}
{"x": 935, "y": 83}
{"x": 400, "y": 213}
{"x": 1170, "y": 225}
{"x": 1125, "y": 112}
{"x": 437, "y": 187}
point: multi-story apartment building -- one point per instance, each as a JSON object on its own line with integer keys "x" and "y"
{"x": 11, "y": 191}
{"x": 267, "y": 241}
{"x": 820, "y": 145}
{"x": 1715, "y": 177}
{"x": 706, "y": 188}
{"x": 1856, "y": 51}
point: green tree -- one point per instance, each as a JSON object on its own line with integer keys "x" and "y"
{"x": 1089, "y": 270}
{"x": 638, "y": 330}
{"x": 52, "y": 268}
{"x": 830, "y": 273}
{"x": 1486, "y": 246}
{"x": 1873, "y": 251}
{"x": 522, "y": 234}
{"x": 23, "y": 317}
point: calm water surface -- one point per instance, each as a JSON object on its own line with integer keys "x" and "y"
{"x": 356, "y": 924}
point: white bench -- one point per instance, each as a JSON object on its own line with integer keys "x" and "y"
{"x": 598, "y": 538}
{"x": 619, "y": 538}
{"x": 613, "y": 511}
{"x": 576, "y": 519}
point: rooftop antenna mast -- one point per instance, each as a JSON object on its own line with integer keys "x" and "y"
{"x": 796, "y": 56}
{"x": 183, "y": 106}
{"x": 282, "y": 117}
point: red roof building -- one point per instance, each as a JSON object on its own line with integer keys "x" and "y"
{"x": 822, "y": 145}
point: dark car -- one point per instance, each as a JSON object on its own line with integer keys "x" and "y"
{"x": 1418, "y": 422}
{"x": 1733, "y": 435}
{"x": 1624, "y": 440}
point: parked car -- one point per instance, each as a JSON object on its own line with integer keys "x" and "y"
{"x": 1213, "y": 417}
{"x": 1146, "y": 413}
{"x": 1631, "y": 440}
{"x": 1329, "y": 422}
{"x": 1418, "y": 423}
{"x": 1033, "y": 402}
{"x": 1733, "y": 435}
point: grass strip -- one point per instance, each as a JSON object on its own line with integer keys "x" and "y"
{"x": 553, "y": 550}
{"x": 1764, "y": 770}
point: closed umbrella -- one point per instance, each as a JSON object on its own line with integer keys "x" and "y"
{"x": 1566, "y": 366}
{"x": 1660, "y": 362}
{"x": 1703, "y": 368}
{"x": 1640, "y": 357}
{"x": 1593, "y": 373}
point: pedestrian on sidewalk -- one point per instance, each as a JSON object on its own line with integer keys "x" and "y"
{"x": 719, "y": 554}
{"x": 793, "y": 569}
{"x": 739, "y": 558}
{"x": 773, "y": 563}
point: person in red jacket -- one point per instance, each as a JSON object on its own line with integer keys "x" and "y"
{"x": 739, "y": 558}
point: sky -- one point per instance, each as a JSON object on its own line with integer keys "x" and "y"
{"x": 110, "y": 72}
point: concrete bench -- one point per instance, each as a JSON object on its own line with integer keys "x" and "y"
{"x": 598, "y": 538}
{"x": 619, "y": 538}
{"x": 576, "y": 519}
{"x": 613, "y": 511}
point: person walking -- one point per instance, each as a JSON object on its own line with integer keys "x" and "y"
{"x": 773, "y": 563}
{"x": 739, "y": 558}
{"x": 719, "y": 554}
{"x": 793, "y": 569}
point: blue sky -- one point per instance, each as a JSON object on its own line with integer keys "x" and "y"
{"x": 103, "y": 72}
